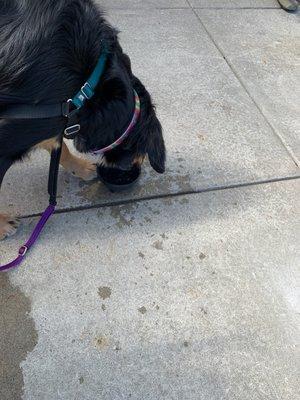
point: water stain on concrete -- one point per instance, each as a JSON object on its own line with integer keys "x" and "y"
{"x": 168, "y": 201}
{"x": 18, "y": 337}
{"x": 142, "y": 310}
{"x": 104, "y": 292}
{"x": 122, "y": 215}
{"x": 203, "y": 310}
{"x": 101, "y": 342}
{"x": 184, "y": 200}
{"x": 194, "y": 293}
{"x": 172, "y": 181}
{"x": 118, "y": 346}
{"x": 183, "y": 182}
{"x": 152, "y": 210}
{"x": 201, "y": 137}
{"x": 92, "y": 191}
{"x": 158, "y": 245}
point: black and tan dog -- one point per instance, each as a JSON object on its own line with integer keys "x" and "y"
{"x": 47, "y": 51}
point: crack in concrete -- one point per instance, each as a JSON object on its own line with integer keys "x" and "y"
{"x": 166, "y": 196}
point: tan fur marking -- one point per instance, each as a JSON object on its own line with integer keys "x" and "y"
{"x": 49, "y": 145}
{"x": 79, "y": 167}
{"x": 8, "y": 226}
{"x": 139, "y": 160}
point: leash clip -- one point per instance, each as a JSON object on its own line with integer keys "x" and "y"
{"x": 23, "y": 250}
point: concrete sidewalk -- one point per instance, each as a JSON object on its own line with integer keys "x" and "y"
{"x": 186, "y": 288}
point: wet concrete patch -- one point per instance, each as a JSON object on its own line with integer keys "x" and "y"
{"x": 18, "y": 337}
{"x": 142, "y": 310}
{"x": 104, "y": 292}
{"x": 101, "y": 342}
{"x": 151, "y": 184}
{"x": 122, "y": 215}
{"x": 158, "y": 245}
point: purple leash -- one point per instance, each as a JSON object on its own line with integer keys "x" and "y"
{"x": 31, "y": 241}
{"x": 52, "y": 189}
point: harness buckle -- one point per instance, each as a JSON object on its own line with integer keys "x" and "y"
{"x": 71, "y": 131}
{"x": 87, "y": 91}
{"x": 23, "y": 250}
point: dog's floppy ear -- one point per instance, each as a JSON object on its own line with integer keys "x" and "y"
{"x": 151, "y": 138}
{"x": 152, "y": 143}
{"x": 155, "y": 145}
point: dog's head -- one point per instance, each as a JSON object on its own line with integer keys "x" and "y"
{"x": 108, "y": 115}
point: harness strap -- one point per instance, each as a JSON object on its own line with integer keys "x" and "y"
{"x": 52, "y": 189}
{"x": 29, "y": 111}
{"x": 14, "y": 108}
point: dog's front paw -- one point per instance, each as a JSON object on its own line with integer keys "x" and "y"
{"x": 84, "y": 169}
{"x": 8, "y": 226}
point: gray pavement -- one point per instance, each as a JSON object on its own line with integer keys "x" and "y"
{"x": 194, "y": 294}
{"x": 235, "y": 4}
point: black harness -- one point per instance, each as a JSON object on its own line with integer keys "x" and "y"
{"x": 13, "y": 109}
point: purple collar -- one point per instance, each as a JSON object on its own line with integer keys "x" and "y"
{"x": 137, "y": 112}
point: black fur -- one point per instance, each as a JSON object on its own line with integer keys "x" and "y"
{"x": 48, "y": 49}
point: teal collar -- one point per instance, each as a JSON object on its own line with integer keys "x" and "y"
{"x": 88, "y": 89}
{"x": 72, "y": 106}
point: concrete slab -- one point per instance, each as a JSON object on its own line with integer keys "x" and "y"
{"x": 234, "y": 3}
{"x": 214, "y": 133}
{"x": 264, "y": 50}
{"x": 187, "y": 298}
{"x": 125, "y": 4}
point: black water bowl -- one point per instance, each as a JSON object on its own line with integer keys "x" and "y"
{"x": 118, "y": 180}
